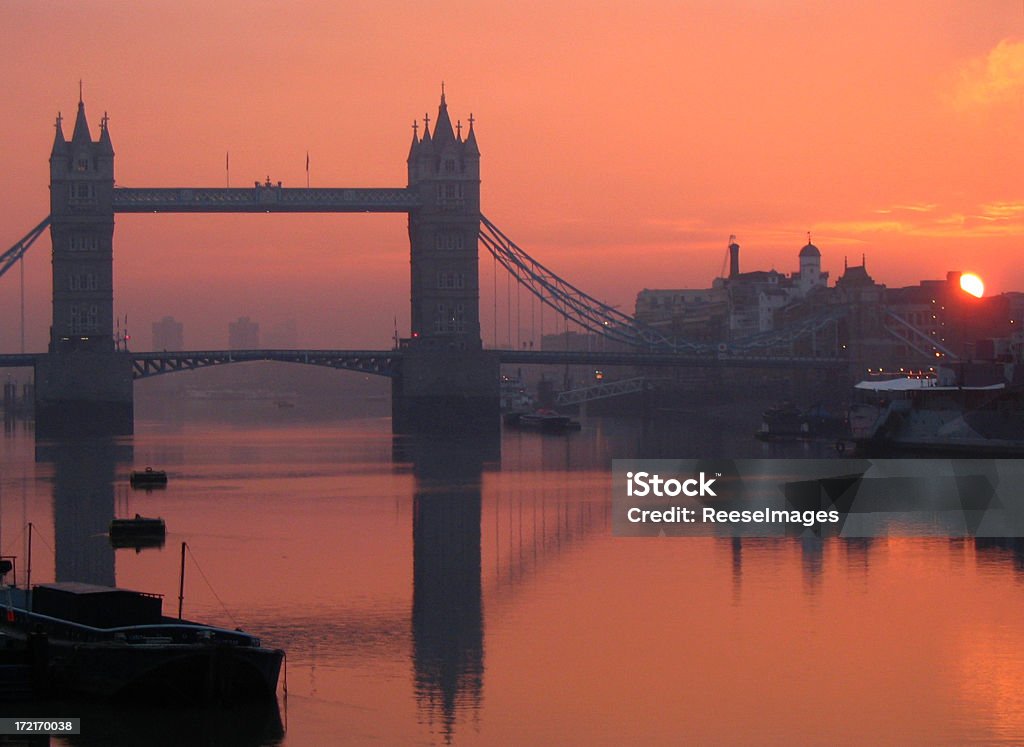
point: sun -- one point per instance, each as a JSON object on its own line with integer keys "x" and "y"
{"x": 971, "y": 283}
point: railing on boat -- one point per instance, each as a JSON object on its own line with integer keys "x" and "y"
{"x": 133, "y": 634}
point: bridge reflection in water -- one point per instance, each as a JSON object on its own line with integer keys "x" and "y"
{"x": 84, "y": 472}
{"x": 447, "y": 599}
{"x": 454, "y": 504}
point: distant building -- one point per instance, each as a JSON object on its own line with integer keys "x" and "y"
{"x": 944, "y": 314}
{"x": 283, "y": 336}
{"x": 168, "y": 334}
{"x": 860, "y": 319}
{"x": 693, "y": 314}
{"x": 743, "y": 304}
{"x": 243, "y": 334}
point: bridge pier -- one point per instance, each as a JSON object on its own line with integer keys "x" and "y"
{"x": 84, "y": 392}
{"x": 441, "y": 391}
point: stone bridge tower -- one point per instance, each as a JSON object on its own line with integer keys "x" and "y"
{"x": 444, "y": 171}
{"x": 446, "y": 376}
{"x": 83, "y": 381}
{"x": 82, "y": 229}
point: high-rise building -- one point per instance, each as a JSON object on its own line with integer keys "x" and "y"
{"x": 243, "y": 334}
{"x": 168, "y": 334}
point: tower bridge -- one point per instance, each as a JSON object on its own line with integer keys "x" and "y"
{"x": 441, "y": 372}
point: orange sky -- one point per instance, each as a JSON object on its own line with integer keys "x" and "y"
{"x": 622, "y": 143}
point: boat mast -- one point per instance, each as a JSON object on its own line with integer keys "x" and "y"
{"x": 28, "y": 572}
{"x": 181, "y": 581}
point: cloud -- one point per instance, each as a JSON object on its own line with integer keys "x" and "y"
{"x": 1000, "y": 218}
{"x": 1003, "y": 210}
{"x": 920, "y": 207}
{"x": 997, "y": 78}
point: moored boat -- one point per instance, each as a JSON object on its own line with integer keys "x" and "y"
{"x": 83, "y": 640}
{"x": 139, "y": 532}
{"x": 547, "y": 421}
{"x": 971, "y": 409}
{"x": 148, "y": 478}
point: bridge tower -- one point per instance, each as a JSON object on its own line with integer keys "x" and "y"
{"x": 446, "y": 377}
{"x": 83, "y": 380}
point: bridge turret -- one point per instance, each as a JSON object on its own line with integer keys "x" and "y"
{"x": 413, "y": 147}
{"x": 60, "y": 144}
{"x": 105, "y": 148}
{"x": 471, "y": 149}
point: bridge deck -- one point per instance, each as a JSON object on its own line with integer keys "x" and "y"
{"x": 380, "y": 362}
{"x": 263, "y": 199}
{"x": 19, "y": 360}
{"x": 667, "y": 360}
{"x": 385, "y": 362}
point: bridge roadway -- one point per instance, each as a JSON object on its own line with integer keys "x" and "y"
{"x": 386, "y": 362}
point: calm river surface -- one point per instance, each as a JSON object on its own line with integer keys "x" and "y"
{"x": 432, "y": 592}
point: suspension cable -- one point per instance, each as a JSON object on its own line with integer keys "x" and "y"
{"x": 16, "y": 252}
{"x": 595, "y": 316}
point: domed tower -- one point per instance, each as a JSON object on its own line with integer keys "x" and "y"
{"x": 810, "y": 267}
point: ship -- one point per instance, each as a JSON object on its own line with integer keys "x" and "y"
{"x": 970, "y": 408}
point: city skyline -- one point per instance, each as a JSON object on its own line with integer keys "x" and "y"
{"x": 621, "y": 147}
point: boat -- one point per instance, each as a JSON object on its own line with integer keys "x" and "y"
{"x": 513, "y": 395}
{"x": 78, "y": 640}
{"x": 148, "y": 478}
{"x": 973, "y": 408}
{"x": 546, "y": 421}
{"x": 139, "y": 532}
{"x": 786, "y": 421}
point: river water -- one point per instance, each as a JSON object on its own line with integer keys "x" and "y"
{"x": 467, "y": 592}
